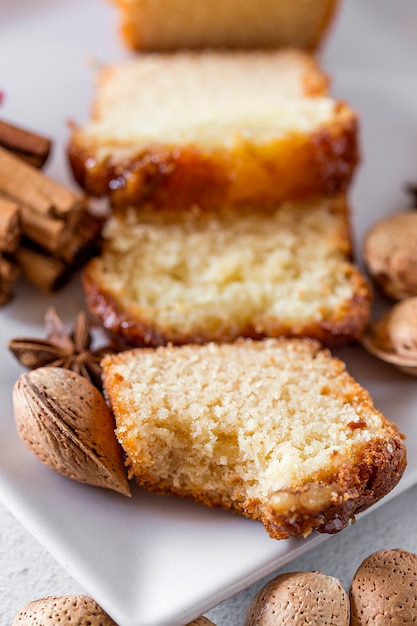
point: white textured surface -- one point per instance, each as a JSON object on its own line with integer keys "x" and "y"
{"x": 28, "y": 572}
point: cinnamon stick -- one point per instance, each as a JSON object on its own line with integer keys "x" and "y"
{"x": 9, "y": 273}
{"x": 26, "y": 144}
{"x": 48, "y": 232}
{"x": 24, "y": 184}
{"x": 10, "y": 231}
{"x": 55, "y": 230}
{"x": 44, "y": 272}
{"x": 84, "y": 240}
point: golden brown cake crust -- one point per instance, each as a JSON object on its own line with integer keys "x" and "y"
{"x": 129, "y": 329}
{"x": 355, "y": 486}
{"x": 290, "y": 168}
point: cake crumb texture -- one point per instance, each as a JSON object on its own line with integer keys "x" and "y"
{"x": 199, "y": 276}
{"x": 276, "y": 430}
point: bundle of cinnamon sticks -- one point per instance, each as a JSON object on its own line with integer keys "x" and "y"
{"x": 45, "y": 229}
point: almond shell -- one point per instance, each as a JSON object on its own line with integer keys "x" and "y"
{"x": 300, "y": 598}
{"x": 384, "y": 589}
{"x": 65, "y": 421}
{"x": 68, "y": 610}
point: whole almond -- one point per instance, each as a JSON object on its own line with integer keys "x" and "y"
{"x": 300, "y": 598}
{"x": 74, "y": 610}
{"x": 390, "y": 254}
{"x": 393, "y": 337}
{"x": 65, "y": 421}
{"x": 384, "y": 589}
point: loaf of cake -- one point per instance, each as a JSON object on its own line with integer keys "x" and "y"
{"x": 275, "y": 430}
{"x": 214, "y": 128}
{"x": 166, "y": 276}
{"x": 172, "y": 24}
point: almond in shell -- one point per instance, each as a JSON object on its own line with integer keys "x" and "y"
{"x": 300, "y": 598}
{"x": 65, "y": 421}
{"x": 384, "y": 589}
{"x": 389, "y": 250}
{"x": 393, "y": 337}
{"x": 73, "y": 610}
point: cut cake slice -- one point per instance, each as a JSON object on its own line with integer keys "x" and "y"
{"x": 215, "y": 128}
{"x": 168, "y": 276}
{"x": 276, "y": 430}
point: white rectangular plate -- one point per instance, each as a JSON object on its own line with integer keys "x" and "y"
{"x": 152, "y": 560}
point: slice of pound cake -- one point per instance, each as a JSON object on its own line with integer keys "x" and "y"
{"x": 214, "y": 128}
{"x": 172, "y": 24}
{"x": 198, "y": 276}
{"x": 276, "y": 430}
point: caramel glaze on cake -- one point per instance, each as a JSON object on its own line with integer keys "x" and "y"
{"x": 286, "y": 169}
{"x": 215, "y": 128}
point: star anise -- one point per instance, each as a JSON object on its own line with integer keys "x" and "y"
{"x": 63, "y": 349}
